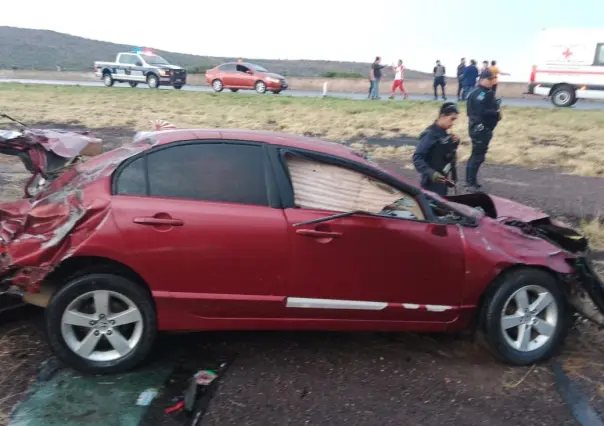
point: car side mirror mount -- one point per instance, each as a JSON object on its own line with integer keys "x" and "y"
{"x": 139, "y": 64}
{"x": 438, "y": 229}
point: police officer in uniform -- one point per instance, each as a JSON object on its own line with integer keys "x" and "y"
{"x": 483, "y": 115}
{"x": 436, "y": 153}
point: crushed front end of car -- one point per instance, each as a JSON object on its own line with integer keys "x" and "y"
{"x": 585, "y": 287}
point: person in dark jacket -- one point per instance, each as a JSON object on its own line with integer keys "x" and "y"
{"x": 469, "y": 78}
{"x": 483, "y": 116}
{"x": 436, "y": 154}
{"x": 461, "y": 68}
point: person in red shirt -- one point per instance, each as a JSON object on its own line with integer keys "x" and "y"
{"x": 398, "y": 79}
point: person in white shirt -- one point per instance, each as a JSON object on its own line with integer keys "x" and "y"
{"x": 398, "y": 79}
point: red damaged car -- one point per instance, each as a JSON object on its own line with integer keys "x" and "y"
{"x": 227, "y": 229}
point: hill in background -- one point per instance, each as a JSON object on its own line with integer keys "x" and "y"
{"x": 22, "y": 48}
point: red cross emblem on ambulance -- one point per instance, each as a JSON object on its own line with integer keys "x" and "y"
{"x": 567, "y": 53}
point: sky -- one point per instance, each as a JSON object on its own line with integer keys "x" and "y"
{"x": 417, "y": 31}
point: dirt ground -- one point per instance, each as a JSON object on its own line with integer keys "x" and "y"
{"x": 282, "y": 378}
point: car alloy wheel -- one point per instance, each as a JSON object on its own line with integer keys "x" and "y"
{"x": 153, "y": 82}
{"x": 102, "y": 325}
{"x": 529, "y": 318}
{"x": 526, "y": 316}
{"x": 108, "y": 80}
{"x": 260, "y": 87}
{"x": 217, "y": 85}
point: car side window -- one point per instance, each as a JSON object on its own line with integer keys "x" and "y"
{"x": 126, "y": 59}
{"x": 600, "y": 54}
{"x": 132, "y": 179}
{"x": 324, "y": 186}
{"x": 242, "y": 68}
{"x": 227, "y": 67}
{"x": 228, "y": 173}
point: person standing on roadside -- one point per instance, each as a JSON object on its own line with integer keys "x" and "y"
{"x": 370, "y": 83}
{"x": 496, "y": 73}
{"x": 436, "y": 153}
{"x": 376, "y": 68}
{"x": 460, "y": 70}
{"x": 398, "y": 80}
{"x": 483, "y": 116}
{"x": 439, "y": 80}
{"x": 469, "y": 78}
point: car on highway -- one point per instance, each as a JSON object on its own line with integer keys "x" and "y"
{"x": 185, "y": 230}
{"x": 141, "y": 66}
{"x": 243, "y": 75}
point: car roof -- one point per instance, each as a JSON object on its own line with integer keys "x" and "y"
{"x": 271, "y": 138}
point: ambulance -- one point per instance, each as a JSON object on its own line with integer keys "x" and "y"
{"x": 569, "y": 65}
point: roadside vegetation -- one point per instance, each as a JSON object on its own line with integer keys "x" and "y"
{"x": 530, "y": 137}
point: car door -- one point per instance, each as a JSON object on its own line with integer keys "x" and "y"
{"x": 228, "y": 75}
{"x": 364, "y": 267}
{"x": 244, "y": 77}
{"x": 125, "y": 64}
{"x": 198, "y": 222}
{"x": 138, "y": 68}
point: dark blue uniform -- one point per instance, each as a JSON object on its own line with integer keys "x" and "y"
{"x": 483, "y": 116}
{"x": 435, "y": 151}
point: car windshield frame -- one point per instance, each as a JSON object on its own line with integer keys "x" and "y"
{"x": 162, "y": 61}
{"x": 255, "y": 67}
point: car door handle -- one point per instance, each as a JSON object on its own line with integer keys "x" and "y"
{"x": 318, "y": 234}
{"x": 155, "y": 221}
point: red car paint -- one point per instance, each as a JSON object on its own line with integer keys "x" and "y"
{"x": 212, "y": 265}
{"x": 247, "y": 78}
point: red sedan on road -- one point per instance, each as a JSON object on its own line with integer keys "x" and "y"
{"x": 227, "y": 229}
{"x": 244, "y": 75}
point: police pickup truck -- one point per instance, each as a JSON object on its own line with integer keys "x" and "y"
{"x": 141, "y": 66}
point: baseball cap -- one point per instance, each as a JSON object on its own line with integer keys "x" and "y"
{"x": 486, "y": 74}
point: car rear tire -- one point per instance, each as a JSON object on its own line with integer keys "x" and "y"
{"x": 564, "y": 96}
{"x": 234, "y": 90}
{"x": 178, "y": 87}
{"x": 101, "y": 323}
{"x": 133, "y": 83}
{"x": 527, "y": 318}
{"x": 260, "y": 87}
{"x": 217, "y": 85}
{"x": 108, "y": 80}
{"x": 152, "y": 81}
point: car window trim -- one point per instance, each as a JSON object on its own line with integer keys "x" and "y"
{"x": 272, "y": 192}
{"x": 287, "y": 191}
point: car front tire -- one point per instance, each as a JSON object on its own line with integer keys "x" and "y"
{"x": 101, "y": 323}
{"x": 152, "y": 81}
{"x": 260, "y": 87}
{"x": 527, "y": 318}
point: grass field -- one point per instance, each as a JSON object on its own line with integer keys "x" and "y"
{"x": 532, "y": 137}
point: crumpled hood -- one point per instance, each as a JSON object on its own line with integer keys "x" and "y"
{"x": 497, "y": 207}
